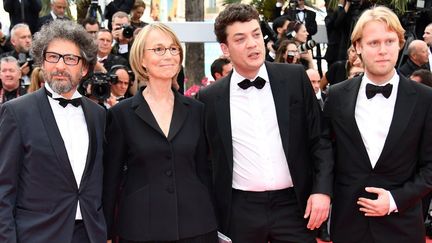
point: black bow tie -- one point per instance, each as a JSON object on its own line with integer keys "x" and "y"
{"x": 257, "y": 83}
{"x": 64, "y": 102}
{"x": 372, "y": 90}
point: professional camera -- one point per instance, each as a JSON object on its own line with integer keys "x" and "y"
{"x": 290, "y": 57}
{"x": 308, "y": 45}
{"x": 25, "y": 57}
{"x": 267, "y": 31}
{"x": 128, "y": 30}
{"x": 100, "y": 85}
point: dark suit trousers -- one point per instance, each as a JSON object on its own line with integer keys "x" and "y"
{"x": 205, "y": 238}
{"x": 80, "y": 233}
{"x": 271, "y": 216}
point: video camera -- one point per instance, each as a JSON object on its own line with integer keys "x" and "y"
{"x": 100, "y": 85}
{"x": 128, "y": 31}
{"x": 25, "y": 57}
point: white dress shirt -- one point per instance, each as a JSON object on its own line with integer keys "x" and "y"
{"x": 430, "y": 58}
{"x": 259, "y": 159}
{"x": 73, "y": 130}
{"x": 374, "y": 117}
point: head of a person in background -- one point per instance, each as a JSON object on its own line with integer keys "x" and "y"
{"x": 119, "y": 19}
{"x": 354, "y": 71}
{"x": 156, "y": 54}
{"x": 104, "y": 41}
{"x": 280, "y": 26}
{"x": 297, "y": 31}
{"x": 137, "y": 11}
{"x": 220, "y": 68}
{"x": 377, "y": 38}
{"x": 418, "y": 52}
{"x": 10, "y": 73}
{"x": 66, "y": 53}
{"x": 36, "y": 80}
{"x": 21, "y": 38}
{"x": 91, "y": 25}
{"x": 287, "y": 52}
{"x": 422, "y": 76}
{"x": 315, "y": 79}
{"x": 58, "y": 7}
{"x": 427, "y": 36}
{"x": 238, "y": 31}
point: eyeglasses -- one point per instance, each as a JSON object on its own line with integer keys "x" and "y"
{"x": 160, "y": 51}
{"x": 68, "y": 59}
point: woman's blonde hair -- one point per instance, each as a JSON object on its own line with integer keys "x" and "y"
{"x": 139, "y": 48}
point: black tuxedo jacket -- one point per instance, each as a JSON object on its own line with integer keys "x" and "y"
{"x": 298, "y": 118}
{"x": 31, "y": 12}
{"x": 46, "y": 19}
{"x": 404, "y": 166}
{"x": 38, "y": 190}
{"x": 164, "y": 195}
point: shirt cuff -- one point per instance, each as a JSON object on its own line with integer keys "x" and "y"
{"x": 393, "y": 207}
{"x": 123, "y": 48}
{"x": 272, "y": 54}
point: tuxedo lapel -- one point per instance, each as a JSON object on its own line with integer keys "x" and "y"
{"x": 222, "y": 111}
{"x": 404, "y": 108}
{"x": 179, "y": 115}
{"x": 349, "y": 98}
{"x": 281, "y": 99}
{"x": 91, "y": 152}
{"x": 54, "y": 135}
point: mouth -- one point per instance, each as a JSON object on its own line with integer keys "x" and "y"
{"x": 254, "y": 55}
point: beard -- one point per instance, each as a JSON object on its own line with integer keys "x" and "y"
{"x": 63, "y": 85}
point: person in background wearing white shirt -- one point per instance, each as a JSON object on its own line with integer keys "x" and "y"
{"x": 382, "y": 125}
{"x": 51, "y": 148}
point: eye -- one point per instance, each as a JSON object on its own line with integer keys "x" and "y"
{"x": 159, "y": 49}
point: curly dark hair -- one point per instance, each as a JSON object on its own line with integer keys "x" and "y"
{"x": 64, "y": 30}
{"x": 236, "y": 12}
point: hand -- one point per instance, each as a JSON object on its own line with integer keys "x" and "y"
{"x": 112, "y": 101}
{"x": 109, "y": 241}
{"x": 99, "y": 68}
{"x": 377, "y": 207}
{"x": 25, "y": 69}
{"x": 318, "y": 207}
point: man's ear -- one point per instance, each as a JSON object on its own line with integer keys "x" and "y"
{"x": 225, "y": 50}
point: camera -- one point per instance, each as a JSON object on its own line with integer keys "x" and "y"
{"x": 25, "y": 57}
{"x": 308, "y": 45}
{"x": 100, "y": 85}
{"x": 128, "y": 31}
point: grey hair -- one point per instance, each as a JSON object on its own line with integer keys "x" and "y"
{"x": 64, "y": 30}
{"x": 9, "y": 59}
{"x": 18, "y": 26}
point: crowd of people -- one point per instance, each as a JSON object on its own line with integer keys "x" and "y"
{"x": 98, "y": 143}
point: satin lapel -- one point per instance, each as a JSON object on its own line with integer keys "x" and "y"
{"x": 347, "y": 106}
{"x": 91, "y": 153}
{"x": 403, "y": 111}
{"x": 143, "y": 111}
{"x": 54, "y": 136}
{"x": 281, "y": 99}
{"x": 222, "y": 109}
{"x": 180, "y": 113}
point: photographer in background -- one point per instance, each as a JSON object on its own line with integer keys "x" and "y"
{"x": 122, "y": 33}
{"x": 136, "y": 13}
{"x": 296, "y": 11}
{"x": 104, "y": 41}
{"x": 288, "y": 52}
{"x": 280, "y": 26}
{"x": 298, "y": 33}
{"x": 21, "y": 40}
{"x": 10, "y": 79}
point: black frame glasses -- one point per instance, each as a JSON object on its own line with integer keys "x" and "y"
{"x": 68, "y": 59}
{"x": 160, "y": 51}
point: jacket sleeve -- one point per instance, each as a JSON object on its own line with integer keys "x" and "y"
{"x": 10, "y": 159}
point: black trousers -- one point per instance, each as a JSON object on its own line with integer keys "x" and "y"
{"x": 80, "y": 233}
{"x": 205, "y": 238}
{"x": 271, "y": 216}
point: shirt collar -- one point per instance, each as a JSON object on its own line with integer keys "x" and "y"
{"x": 76, "y": 94}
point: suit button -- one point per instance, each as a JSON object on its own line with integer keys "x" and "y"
{"x": 168, "y": 173}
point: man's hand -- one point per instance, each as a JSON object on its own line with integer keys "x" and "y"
{"x": 378, "y": 207}
{"x": 318, "y": 207}
{"x": 25, "y": 69}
